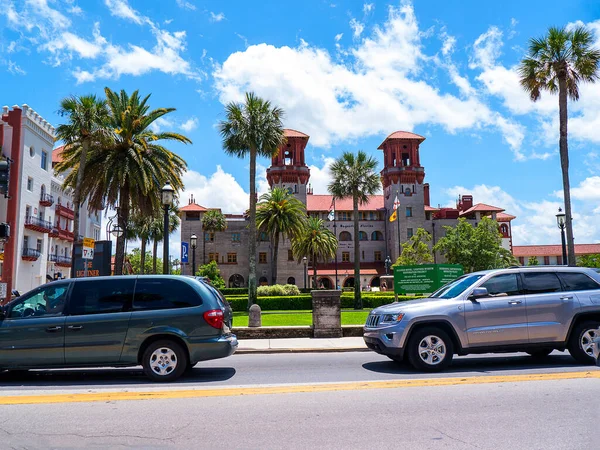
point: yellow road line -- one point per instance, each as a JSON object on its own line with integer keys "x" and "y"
{"x": 238, "y": 391}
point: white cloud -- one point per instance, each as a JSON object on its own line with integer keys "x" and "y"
{"x": 121, "y": 8}
{"x": 68, "y": 42}
{"x": 357, "y": 28}
{"x": 14, "y": 68}
{"x": 320, "y": 177}
{"x": 368, "y": 7}
{"x": 41, "y": 7}
{"x": 338, "y": 37}
{"x": 486, "y": 49}
{"x": 160, "y": 124}
{"x": 189, "y": 125}
{"x": 186, "y": 5}
{"x": 216, "y": 17}
{"x": 588, "y": 190}
{"x": 75, "y": 10}
{"x": 449, "y": 42}
{"x": 219, "y": 190}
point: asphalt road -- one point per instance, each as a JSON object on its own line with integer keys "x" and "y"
{"x": 510, "y": 413}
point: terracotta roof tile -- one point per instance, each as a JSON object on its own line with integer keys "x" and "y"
{"x": 323, "y": 203}
{"x": 552, "y": 250}
{"x": 193, "y": 207}
{"x": 481, "y": 207}
{"x": 503, "y": 217}
{"x": 57, "y": 154}
{"x": 288, "y": 132}
{"x": 402, "y": 135}
{"x": 430, "y": 208}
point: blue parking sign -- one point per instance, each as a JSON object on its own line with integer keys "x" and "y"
{"x": 184, "y": 252}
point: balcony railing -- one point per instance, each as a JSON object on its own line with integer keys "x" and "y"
{"x": 65, "y": 211}
{"x": 37, "y": 224}
{"x": 53, "y": 233}
{"x": 66, "y": 235}
{"x": 46, "y": 200}
{"x": 60, "y": 260}
{"x": 30, "y": 254}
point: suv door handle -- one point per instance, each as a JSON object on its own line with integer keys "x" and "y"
{"x": 567, "y": 297}
{"x": 515, "y": 302}
{"x": 75, "y": 327}
{"x": 52, "y": 329}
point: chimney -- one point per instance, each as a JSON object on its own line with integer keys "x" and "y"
{"x": 426, "y": 194}
{"x": 466, "y": 202}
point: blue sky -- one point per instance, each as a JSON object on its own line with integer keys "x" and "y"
{"x": 347, "y": 73}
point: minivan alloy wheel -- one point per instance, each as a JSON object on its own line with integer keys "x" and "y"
{"x": 432, "y": 350}
{"x": 163, "y": 361}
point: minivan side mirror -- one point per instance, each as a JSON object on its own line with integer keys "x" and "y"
{"x": 478, "y": 293}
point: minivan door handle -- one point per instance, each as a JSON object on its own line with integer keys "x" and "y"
{"x": 75, "y": 327}
{"x": 567, "y": 297}
{"x": 53, "y": 329}
{"x": 515, "y": 302}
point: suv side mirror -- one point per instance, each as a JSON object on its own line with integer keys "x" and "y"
{"x": 478, "y": 293}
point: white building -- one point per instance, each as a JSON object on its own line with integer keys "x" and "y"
{"x": 39, "y": 211}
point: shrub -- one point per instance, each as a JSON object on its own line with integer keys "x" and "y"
{"x": 304, "y": 302}
{"x": 278, "y": 290}
{"x": 234, "y": 291}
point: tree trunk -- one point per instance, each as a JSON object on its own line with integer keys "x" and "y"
{"x": 252, "y": 232}
{"x": 123, "y": 220}
{"x": 77, "y": 194}
{"x": 154, "y": 252}
{"x": 143, "y": 257}
{"x": 203, "y": 246}
{"x": 275, "y": 255}
{"x": 357, "y": 297}
{"x": 564, "y": 162}
{"x": 314, "y": 282}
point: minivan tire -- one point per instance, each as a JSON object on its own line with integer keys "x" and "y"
{"x": 439, "y": 342}
{"x": 575, "y": 341}
{"x": 164, "y": 361}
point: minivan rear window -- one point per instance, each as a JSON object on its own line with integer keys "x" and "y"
{"x": 541, "y": 282}
{"x": 576, "y": 281}
{"x": 164, "y": 294}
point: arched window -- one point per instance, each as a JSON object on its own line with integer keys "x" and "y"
{"x": 345, "y": 236}
{"x": 349, "y": 282}
{"x": 263, "y": 281}
{"x": 362, "y": 236}
{"x": 325, "y": 283}
{"x": 291, "y": 280}
{"x": 376, "y": 236}
{"x": 504, "y": 230}
{"x": 236, "y": 281}
{"x": 375, "y": 282}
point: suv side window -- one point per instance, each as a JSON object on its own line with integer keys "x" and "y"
{"x": 541, "y": 282}
{"x": 98, "y": 297}
{"x": 576, "y": 281}
{"x": 47, "y": 301}
{"x": 164, "y": 294}
{"x": 505, "y": 284}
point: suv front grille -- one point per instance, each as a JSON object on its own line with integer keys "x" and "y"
{"x": 373, "y": 320}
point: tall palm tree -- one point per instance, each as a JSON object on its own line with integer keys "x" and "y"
{"x": 87, "y": 120}
{"x": 279, "y": 214}
{"x": 140, "y": 227}
{"x": 157, "y": 232}
{"x": 252, "y": 129}
{"x": 125, "y": 172}
{"x": 354, "y": 176}
{"x": 557, "y": 63}
{"x": 213, "y": 221}
{"x": 316, "y": 242}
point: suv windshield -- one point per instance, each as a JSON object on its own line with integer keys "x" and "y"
{"x": 456, "y": 287}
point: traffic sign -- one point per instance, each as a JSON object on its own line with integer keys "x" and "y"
{"x": 88, "y": 242}
{"x": 87, "y": 251}
{"x": 184, "y": 252}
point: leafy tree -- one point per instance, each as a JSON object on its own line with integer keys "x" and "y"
{"x": 475, "y": 248}
{"x": 416, "y": 251}
{"x": 558, "y": 63}
{"x": 135, "y": 259}
{"x": 128, "y": 170}
{"x": 316, "y": 242}
{"x": 592, "y": 260}
{"x": 354, "y": 176}
{"x": 532, "y": 261}
{"x": 213, "y": 220}
{"x": 279, "y": 213}
{"x": 212, "y": 272}
{"x": 87, "y": 123}
{"x": 252, "y": 129}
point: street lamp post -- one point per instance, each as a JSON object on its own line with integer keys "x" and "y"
{"x": 304, "y": 260}
{"x": 561, "y": 222}
{"x": 388, "y": 263}
{"x": 194, "y": 242}
{"x": 167, "y": 199}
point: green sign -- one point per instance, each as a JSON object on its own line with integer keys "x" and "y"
{"x": 425, "y": 278}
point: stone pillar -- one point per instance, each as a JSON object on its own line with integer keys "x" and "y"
{"x": 254, "y": 317}
{"x": 327, "y": 320}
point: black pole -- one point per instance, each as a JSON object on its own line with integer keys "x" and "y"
{"x": 194, "y": 260}
{"x": 166, "y": 241}
{"x": 304, "y": 275}
{"x": 335, "y": 232}
{"x": 433, "y": 232}
{"x": 564, "y": 246}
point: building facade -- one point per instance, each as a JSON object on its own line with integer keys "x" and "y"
{"x": 402, "y": 179}
{"x": 38, "y": 209}
{"x": 548, "y": 255}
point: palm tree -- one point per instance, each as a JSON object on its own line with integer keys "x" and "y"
{"x": 279, "y": 213}
{"x": 254, "y": 129}
{"x": 87, "y": 118}
{"x": 140, "y": 227}
{"x": 316, "y": 242}
{"x": 557, "y": 63}
{"x": 157, "y": 232}
{"x": 213, "y": 220}
{"x": 354, "y": 176}
{"x": 126, "y": 171}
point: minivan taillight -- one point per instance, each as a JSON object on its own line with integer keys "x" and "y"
{"x": 214, "y": 318}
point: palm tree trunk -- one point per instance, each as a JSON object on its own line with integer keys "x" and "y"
{"x": 357, "y": 297}
{"x": 252, "y": 232}
{"x": 314, "y": 261}
{"x": 123, "y": 220}
{"x": 564, "y": 163}
{"x": 143, "y": 257}
{"x": 154, "y": 252}
{"x": 275, "y": 255}
{"x": 77, "y": 194}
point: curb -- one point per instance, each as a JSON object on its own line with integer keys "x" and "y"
{"x": 299, "y": 350}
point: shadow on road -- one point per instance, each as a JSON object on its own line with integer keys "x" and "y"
{"x": 106, "y": 377}
{"x": 487, "y": 364}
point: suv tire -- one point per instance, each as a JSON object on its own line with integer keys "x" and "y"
{"x": 581, "y": 340}
{"x": 164, "y": 361}
{"x": 430, "y": 349}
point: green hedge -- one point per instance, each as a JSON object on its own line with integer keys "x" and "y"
{"x": 304, "y": 302}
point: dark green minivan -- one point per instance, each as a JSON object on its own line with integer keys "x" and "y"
{"x": 165, "y": 323}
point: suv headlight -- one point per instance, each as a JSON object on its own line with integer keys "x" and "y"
{"x": 392, "y": 318}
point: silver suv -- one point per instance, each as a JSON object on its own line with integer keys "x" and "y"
{"x": 535, "y": 310}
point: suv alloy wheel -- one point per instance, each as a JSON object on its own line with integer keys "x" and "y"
{"x": 430, "y": 349}
{"x": 581, "y": 341}
{"x": 164, "y": 360}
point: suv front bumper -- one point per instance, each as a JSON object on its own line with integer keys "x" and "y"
{"x": 378, "y": 345}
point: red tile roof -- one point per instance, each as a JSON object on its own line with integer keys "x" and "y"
{"x": 324, "y": 202}
{"x": 430, "y": 208}
{"x": 57, "y": 154}
{"x": 288, "y": 132}
{"x": 552, "y": 250}
{"x": 402, "y": 135}
{"x": 193, "y": 207}
{"x": 503, "y": 217}
{"x": 482, "y": 207}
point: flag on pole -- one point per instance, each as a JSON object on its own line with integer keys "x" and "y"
{"x": 331, "y": 215}
{"x": 394, "y": 215}
{"x": 396, "y": 203}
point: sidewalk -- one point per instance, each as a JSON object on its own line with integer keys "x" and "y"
{"x": 301, "y": 345}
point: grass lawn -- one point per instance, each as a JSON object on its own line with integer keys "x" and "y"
{"x": 298, "y": 318}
